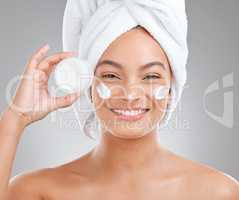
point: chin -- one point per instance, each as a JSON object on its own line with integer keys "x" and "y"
{"x": 128, "y": 136}
{"x": 124, "y": 133}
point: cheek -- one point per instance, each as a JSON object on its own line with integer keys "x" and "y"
{"x": 97, "y": 100}
{"x": 101, "y": 105}
{"x": 160, "y": 106}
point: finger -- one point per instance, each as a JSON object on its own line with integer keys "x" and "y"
{"x": 38, "y": 56}
{"x": 62, "y": 102}
{"x": 48, "y": 64}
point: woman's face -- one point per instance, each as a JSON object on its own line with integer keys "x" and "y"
{"x": 123, "y": 69}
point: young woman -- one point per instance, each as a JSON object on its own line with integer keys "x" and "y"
{"x": 128, "y": 163}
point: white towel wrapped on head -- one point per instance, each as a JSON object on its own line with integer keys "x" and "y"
{"x": 90, "y": 26}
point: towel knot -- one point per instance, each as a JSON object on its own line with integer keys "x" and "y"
{"x": 153, "y": 4}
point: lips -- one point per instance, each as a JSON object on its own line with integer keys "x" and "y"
{"x": 129, "y": 112}
{"x": 130, "y": 115}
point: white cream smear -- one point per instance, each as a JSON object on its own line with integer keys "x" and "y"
{"x": 103, "y": 91}
{"x": 160, "y": 92}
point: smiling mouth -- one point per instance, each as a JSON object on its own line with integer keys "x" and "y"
{"x": 129, "y": 113}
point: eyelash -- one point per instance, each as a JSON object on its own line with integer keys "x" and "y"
{"x": 155, "y": 77}
{"x": 107, "y": 75}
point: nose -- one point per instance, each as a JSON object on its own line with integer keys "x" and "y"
{"x": 132, "y": 92}
{"x": 131, "y": 97}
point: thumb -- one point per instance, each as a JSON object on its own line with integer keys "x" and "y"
{"x": 65, "y": 101}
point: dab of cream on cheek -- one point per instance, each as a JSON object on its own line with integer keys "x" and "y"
{"x": 103, "y": 91}
{"x": 160, "y": 92}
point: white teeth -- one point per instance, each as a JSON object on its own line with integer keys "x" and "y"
{"x": 129, "y": 112}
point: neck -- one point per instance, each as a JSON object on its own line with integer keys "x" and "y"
{"x": 116, "y": 154}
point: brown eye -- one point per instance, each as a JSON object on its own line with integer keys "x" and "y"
{"x": 109, "y": 76}
{"x": 152, "y": 77}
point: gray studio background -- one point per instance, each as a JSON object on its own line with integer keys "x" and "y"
{"x": 204, "y": 131}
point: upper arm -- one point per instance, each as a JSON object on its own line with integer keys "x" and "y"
{"x": 22, "y": 187}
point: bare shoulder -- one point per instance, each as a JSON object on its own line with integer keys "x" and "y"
{"x": 223, "y": 185}
{"x": 211, "y": 183}
{"x": 42, "y": 183}
{"x": 29, "y": 185}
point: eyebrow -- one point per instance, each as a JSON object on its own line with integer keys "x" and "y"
{"x": 118, "y": 65}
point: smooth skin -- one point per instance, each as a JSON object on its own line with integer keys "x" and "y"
{"x": 126, "y": 164}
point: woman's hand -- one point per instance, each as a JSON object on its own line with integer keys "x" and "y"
{"x": 32, "y": 100}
